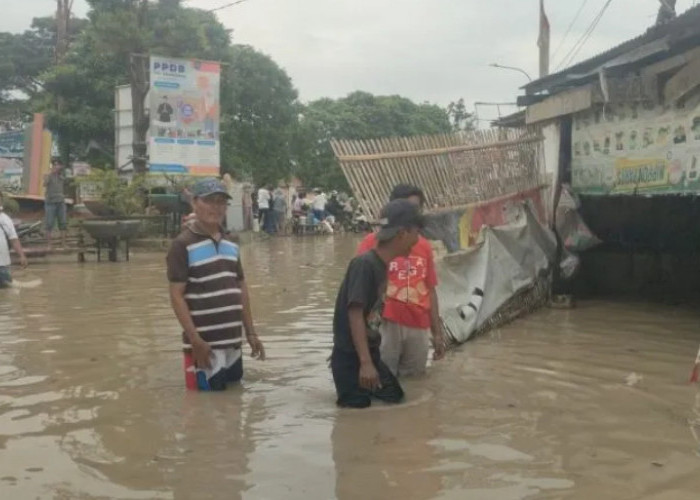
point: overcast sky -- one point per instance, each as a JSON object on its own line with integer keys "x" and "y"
{"x": 428, "y": 50}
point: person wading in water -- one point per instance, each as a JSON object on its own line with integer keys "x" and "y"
{"x": 359, "y": 373}
{"x": 411, "y": 313}
{"x": 209, "y": 295}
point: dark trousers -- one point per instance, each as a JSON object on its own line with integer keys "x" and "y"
{"x": 320, "y": 215}
{"x": 231, "y": 375}
{"x": 266, "y": 220}
{"x": 346, "y": 376}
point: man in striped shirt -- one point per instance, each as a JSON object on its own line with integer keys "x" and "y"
{"x": 208, "y": 292}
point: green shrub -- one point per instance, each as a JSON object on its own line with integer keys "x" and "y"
{"x": 10, "y": 205}
{"x": 118, "y": 195}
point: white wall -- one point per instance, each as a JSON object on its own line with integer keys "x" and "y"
{"x": 552, "y": 133}
{"x": 123, "y": 125}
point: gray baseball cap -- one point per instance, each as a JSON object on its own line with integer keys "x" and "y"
{"x": 398, "y": 215}
{"x": 208, "y": 187}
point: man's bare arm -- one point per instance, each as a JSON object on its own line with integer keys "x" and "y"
{"x": 17, "y": 247}
{"x": 200, "y": 349}
{"x": 247, "y": 310}
{"x": 252, "y": 337}
{"x": 182, "y": 311}
{"x": 368, "y": 376}
{"x": 436, "y": 326}
{"x": 358, "y": 331}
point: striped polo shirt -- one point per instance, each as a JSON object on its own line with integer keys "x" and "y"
{"x": 212, "y": 271}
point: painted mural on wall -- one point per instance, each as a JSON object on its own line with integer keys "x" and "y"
{"x": 627, "y": 149}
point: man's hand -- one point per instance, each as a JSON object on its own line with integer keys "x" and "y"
{"x": 257, "y": 346}
{"x": 23, "y": 261}
{"x": 369, "y": 378}
{"x": 201, "y": 352}
{"x": 439, "y": 346}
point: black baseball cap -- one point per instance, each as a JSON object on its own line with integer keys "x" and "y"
{"x": 398, "y": 215}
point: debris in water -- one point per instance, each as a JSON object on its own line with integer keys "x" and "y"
{"x": 633, "y": 379}
{"x": 26, "y": 284}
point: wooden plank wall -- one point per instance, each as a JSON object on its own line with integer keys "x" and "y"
{"x": 452, "y": 169}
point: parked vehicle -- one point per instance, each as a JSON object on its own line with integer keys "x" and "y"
{"x": 356, "y": 223}
{"x": 28, "y": 230}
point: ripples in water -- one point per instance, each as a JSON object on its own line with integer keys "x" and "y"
{"x": 586, "y": 403}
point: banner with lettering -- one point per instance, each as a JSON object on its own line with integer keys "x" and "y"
{"x": 184, "y": 114}
{"x": 631, "y": 149}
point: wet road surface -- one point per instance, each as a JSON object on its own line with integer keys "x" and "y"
{"x": 580, "y": 404}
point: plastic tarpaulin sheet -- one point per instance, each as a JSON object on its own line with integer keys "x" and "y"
{"x": 475, "y": 283}
{"x": 460, "y": 228}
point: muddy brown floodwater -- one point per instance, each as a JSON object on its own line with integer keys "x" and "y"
{"x": 591, "y": 403}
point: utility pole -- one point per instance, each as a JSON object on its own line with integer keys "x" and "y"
{"x": 63, "y": 11}
{"x": 667, "y": 11}
{"x": 139, "y": 71}
{"x": 543, "y": 42}
{"x": 139, "y": 81}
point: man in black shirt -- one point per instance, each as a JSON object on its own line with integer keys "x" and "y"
{"x": 165, "y": 110}
{"x": 358, "y": 371}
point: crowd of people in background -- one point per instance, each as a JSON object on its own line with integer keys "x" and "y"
{"x": 277, "y": 211}
{"x": 289, "y": 210}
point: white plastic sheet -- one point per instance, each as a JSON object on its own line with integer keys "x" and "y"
{"x": 475, "y": 283}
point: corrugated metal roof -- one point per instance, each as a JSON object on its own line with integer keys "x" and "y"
{"x": 657, "y": 40}
{"x": 516, "y": 119}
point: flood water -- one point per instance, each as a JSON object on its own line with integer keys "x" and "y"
{"x": 586, "y": 404}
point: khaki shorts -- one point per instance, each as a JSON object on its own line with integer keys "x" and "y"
{"x": 404, "y": 349}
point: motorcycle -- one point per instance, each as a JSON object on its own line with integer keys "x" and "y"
{"x": 27, "y": 230}
{"x": 356, "y": 223}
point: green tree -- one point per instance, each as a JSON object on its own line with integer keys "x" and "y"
{"x": 118, "y": 196}
{"x": 259, "y": 117}
{"x": 360, "y": 115}
{"x": 259, "y": 105}
{"x": 460, "y": 119}
{"x": 24, "y": 57}
{"x": 81, "y": 88}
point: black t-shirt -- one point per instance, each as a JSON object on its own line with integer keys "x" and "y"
{"x": 164, "y": 111}
{"x": 364, "y": 285}
{"x": 334, "y": 207}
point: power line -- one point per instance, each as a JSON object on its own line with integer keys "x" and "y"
{"x": 225, "y": 6}
{"x": 568, "y": 59}
{"x": 584, "y": 38}
{"x": 568, "y": 30}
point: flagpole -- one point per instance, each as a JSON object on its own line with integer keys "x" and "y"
{"x": 543, "y": 42}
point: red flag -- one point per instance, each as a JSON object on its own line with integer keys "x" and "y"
{"x": 543, "y": 41}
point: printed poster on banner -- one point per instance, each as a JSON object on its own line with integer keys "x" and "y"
{"x": 11, "y": 161}
{"x": 632, "y": 149}
{"x": 184, "y": 112}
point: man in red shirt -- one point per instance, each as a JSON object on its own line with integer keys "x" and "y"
{"x": 411, "y": 311}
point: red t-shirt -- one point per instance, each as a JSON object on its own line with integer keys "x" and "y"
{"x": 410, "y": 280}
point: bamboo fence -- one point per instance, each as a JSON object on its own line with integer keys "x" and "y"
{"x": 452, "y": 169}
